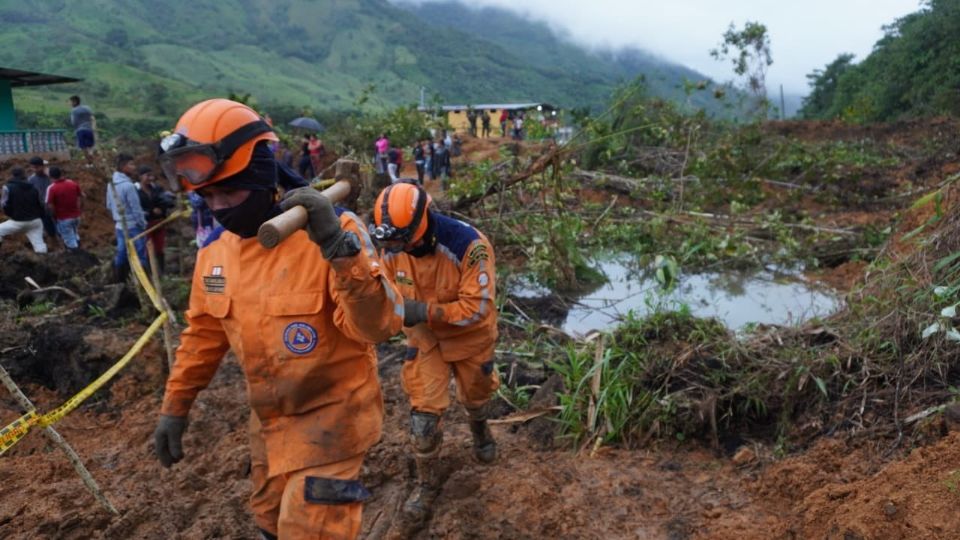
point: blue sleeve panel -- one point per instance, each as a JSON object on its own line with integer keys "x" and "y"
{"x": 455, "y": 235}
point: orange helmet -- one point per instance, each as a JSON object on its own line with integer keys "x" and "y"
{"x": 400, "y": 213}
{"x": 213, "y": 140}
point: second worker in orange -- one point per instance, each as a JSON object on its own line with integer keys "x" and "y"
{"x": 446, "y": 272}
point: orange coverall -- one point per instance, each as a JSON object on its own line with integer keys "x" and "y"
{"x": 458, "y": 283}
{"x": 303, "y": 330}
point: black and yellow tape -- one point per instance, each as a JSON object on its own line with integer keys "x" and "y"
{"x": 19, "y": 428}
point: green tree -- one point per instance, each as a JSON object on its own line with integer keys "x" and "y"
{"x": 912, "y": 71}
{"x": 749, "y": 52}
{"x": 823, "y": 85}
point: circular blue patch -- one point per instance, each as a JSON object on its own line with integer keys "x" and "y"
{"x": 300, "y": 338}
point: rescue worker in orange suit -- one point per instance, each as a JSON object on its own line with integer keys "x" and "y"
{"x": 445, "y": 270}
{"x": 301, "y": 318}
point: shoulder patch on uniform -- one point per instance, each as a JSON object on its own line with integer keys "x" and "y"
{"x": 478, "y": 253}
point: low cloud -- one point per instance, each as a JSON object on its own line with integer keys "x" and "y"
{"x": 804, "y": 35}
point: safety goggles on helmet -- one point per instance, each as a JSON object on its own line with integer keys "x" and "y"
{"x": 387, "y": 232}
{"x": 187, "y": 162}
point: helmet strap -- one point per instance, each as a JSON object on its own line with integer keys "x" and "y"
{"x": 229, "y": 144}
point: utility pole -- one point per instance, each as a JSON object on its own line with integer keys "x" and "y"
{"x": 783, "y": 105}
{"x": 423, "y": 100}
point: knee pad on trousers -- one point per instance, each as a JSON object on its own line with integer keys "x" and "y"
{"x": 425, "y": 434}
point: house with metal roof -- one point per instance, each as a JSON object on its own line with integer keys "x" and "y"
{"x": 16, "y": 142}
{"x": 457, "y": 114}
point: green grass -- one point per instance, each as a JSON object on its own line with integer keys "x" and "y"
{"x": 317, "y": 53}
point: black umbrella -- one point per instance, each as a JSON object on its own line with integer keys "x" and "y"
{"x": 307, "y": 123}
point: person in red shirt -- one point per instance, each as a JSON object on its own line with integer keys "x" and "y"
{"x": 64, "y": 200}
{"x": 317, "y": 151}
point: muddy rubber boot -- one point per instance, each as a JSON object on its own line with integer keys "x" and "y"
{"x": 418, "y": 506}
{"x": 484, "y": 446}
{"x": 427, "y": 440}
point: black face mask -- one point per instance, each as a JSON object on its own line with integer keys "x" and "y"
{"x": 429, "y": 244}
{"x": 246, "y": 218}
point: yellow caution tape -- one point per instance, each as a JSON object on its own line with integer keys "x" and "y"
{"x": 172, "y": 217}
{"x": 12, "y": 434}
{"x": 19, "y": 428}
{"x": 323, "y": 184}
{"x": 142, "y": 276}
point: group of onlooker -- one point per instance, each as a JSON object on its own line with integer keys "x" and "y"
{"x": 431, "y": 157}
{"x": 510, "y": 121}
{"x": 48, "y": 205}
{"x": 484, "y": 117}
{"x": 135, "y": 209}
{"x": 45, "y": 204}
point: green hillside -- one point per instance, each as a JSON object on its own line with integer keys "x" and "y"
{"x": 913, "y": 70}
{"x": 148, "y": 60}
{"x": 537, "y": 44}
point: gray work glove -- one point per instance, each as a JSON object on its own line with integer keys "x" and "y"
{"x": 169, "y": 439}
{"x": 414, "y": 312}
{"x": 323, "y": 225}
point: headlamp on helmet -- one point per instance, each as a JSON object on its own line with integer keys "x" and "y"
{"x": 400, "y": 214}
{"x": 383, "y": 232}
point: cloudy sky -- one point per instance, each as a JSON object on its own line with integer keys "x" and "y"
{"x": 805, "y": 35}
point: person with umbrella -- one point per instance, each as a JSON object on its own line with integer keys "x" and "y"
{"x": 317, "y": 151}
{"x": 305, "y": 165}
{"x": 307, "y": 124}
{"x": 308, "y": 166}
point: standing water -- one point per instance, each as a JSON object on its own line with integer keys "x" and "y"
{"x": 737, "y": 298}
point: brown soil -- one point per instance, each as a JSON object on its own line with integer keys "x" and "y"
{"x": 831, "y": 491}
{"x": 538, "y": 488}
{"x": 843, "y": 277}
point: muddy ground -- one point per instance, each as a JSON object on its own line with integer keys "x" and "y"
{"x": 836, "y": 488}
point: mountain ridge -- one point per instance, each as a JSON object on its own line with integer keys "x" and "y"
{"x": 143, "y": 60}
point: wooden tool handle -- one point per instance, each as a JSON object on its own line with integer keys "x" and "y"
{"x": 281, "y": 227}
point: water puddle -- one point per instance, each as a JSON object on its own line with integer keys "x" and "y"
{"x": 770, "y": 296}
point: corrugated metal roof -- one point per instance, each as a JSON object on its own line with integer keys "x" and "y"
{"x": 498, "y": 106}
{"x": 19, "y": 78}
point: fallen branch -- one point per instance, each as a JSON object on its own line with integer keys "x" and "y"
{"x": 37, "y": 289}
{"x": 538, "y": 166}
{"x": 788, "y": 185}
{"x": 596, "y": 222}
{"x": 623, "y": 184}
{"x": 924, "y": 413}
{"x": 526, "y": 416}
{"x": 56, "y": 439}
